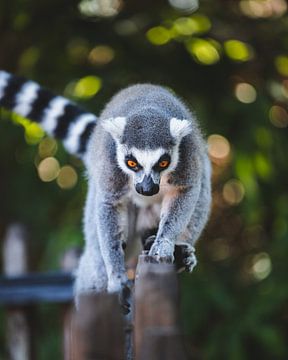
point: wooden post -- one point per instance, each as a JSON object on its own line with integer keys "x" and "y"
{"x": 68, "y": 263}
{"x": 98, "y": 329}
{"x": 15, "y": 263}
{"x": 157, "y": 334}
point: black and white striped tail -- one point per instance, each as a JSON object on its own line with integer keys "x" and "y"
{"x": 58, "y": 116}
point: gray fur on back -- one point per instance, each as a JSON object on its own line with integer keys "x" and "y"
{"x": 146, "y": 105}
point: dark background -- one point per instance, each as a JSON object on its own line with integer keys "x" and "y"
{"x": 229, "y": 62}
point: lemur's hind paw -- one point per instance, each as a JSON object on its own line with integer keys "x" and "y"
{"x": 125, "y": 297}
{"x": 185, "y": 258}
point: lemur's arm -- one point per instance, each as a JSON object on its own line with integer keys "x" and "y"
{"x": 177, "y": 209}
{"x": 58, "y": 116}
{"x": 109, "y": 217}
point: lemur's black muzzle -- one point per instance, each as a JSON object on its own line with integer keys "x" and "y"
{"x": 147, "y": 187}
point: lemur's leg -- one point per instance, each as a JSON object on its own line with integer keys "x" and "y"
{"x": 91, "y": 273}
{"x": 184, "y": 250}
{"x": 111, "y": 215}
{"x": 177, "y": 208}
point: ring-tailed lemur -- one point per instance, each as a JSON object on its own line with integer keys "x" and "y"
{"x": 144, "y": 149}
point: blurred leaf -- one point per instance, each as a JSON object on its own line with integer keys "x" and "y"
{"x": 271, "y": 339}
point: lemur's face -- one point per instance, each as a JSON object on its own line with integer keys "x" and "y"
{"x": 147, "y": 166}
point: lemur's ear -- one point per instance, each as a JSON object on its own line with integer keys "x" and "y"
{"x": 115, "y": 126}
{"x": 179, "y": 128}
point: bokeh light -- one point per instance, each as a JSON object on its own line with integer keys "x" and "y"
{"x": 238, "y": 50}
{"x": 263, "y": 8}
{"x": 126, "y": 27}
{"x": 105, "y": 8}
{"x": 185, "y": 26}
{"x": 233, "y": 192}
{"x": 185, "y": 5}
{"x": 158, "y": 35}
{"x": 245, "y": 93}
{"x": 204, "y": 51}
{"x": 218, "y": 148}
{"x": 195, "y": 24}
{"x": 278, "y": 116}
{"x": 33, "y": 132}
{"x": 85, "y": 88}
{"x": 101, "y": 55}
{"x": 276, "y": 89}
{"x": 281, "y": 64}
{"x": 48, "y": 169}
{"x": 261, "y": 266}
{"x": 262, "y": 165}
{"x": 77, "y": 50}
{"x": 47, "y": 147}
{"x": 263, "y": 138}
{"x": 219, "y": 249}
{"x": 284, "y": 89}
{"x": 202, "y": 23}
{"x": 29, "y": 58}
{"x": 21, "y": 21}
{"x": 67, "y": 177}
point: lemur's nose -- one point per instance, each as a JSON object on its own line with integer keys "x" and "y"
{"x": 147, "y": 187}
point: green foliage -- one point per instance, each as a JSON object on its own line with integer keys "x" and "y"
{"x": 229, "y": 62}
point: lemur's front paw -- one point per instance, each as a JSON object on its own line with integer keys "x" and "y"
{"x": 122, "y": 286}
{"x": 163, "y": 250}
{"x": 185, "y": 258}
{"x": 125, "y": 297}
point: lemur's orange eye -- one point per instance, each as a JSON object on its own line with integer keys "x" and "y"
{"x": 132, "y": 163}
{"x": 164, "y": 163}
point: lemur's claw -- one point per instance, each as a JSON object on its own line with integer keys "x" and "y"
{"x": 185, "y": 258}
{"x": 164, "y": 259}
{"x": 149, "y": 242}
{"x": 184, "y": 255}
{"x": 125, "y": 298}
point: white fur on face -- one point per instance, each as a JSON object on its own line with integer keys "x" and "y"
{"x": 115, "y": 127}
{"x": 147, "y": 158}
{"x": 179, "y": 128}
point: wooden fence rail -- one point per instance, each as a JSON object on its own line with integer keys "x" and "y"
{"x": 98, "y": 330}
{"x": 157, "y": 332}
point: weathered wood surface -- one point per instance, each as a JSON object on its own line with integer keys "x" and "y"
{"x": 162, "y": 343}
{"x": 157, "y": 334}
{"x": 68, "y": 263}
{"x": 98, "y": 329}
